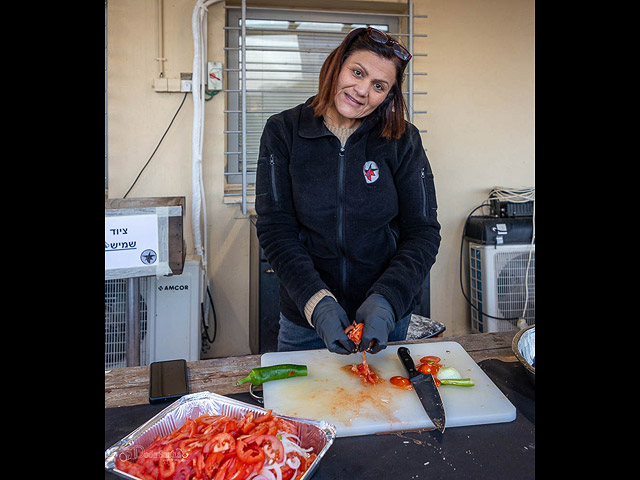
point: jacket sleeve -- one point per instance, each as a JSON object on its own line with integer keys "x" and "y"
{"x": 277, "y": 225}
{"x": 419, "y": 238}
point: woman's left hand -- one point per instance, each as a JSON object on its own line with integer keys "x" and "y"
{"x": 379, "y": 321}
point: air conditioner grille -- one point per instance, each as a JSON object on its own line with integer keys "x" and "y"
{"x": 497, "y": 285}
{"x": 511, "y": 271}
{"x": 115, "y": 316}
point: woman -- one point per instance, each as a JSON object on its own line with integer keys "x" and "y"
{"x": 346, "y": 203}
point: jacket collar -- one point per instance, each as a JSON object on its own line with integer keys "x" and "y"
{"x": 311, "y": 126}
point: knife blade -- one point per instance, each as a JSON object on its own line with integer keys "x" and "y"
{"x": 425, "y": 387}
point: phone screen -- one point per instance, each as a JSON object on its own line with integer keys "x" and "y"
{"x": 168, "y": 380}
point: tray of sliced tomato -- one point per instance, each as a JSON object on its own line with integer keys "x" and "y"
{"x": 204, "y": 436}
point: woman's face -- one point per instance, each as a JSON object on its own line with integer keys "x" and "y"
{"x": 364, "y": 81}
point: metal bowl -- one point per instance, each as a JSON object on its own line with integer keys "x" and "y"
{"x": 524, "y": 348}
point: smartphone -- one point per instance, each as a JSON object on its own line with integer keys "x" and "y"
{"x": 167, "y": 380}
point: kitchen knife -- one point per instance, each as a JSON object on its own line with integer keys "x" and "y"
{"x": 425, "y": 387}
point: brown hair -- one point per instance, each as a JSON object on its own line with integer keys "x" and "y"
{"x": 391, "y": 112}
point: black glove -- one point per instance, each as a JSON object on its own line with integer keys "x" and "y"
{"x": 330, "y": 320}
{"x": 379, "y": 321}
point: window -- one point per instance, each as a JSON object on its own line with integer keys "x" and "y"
{"x": 284, "y": 53}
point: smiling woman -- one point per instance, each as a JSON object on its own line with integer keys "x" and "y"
{"x": 362, "y": 85}
{"x": 346, "y": 203}
{"x": 359, "y": 76}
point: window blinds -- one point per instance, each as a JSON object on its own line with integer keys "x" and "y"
{"x": 284, "y": 52}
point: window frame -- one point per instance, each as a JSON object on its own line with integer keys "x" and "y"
{"x": 233, "y": 173}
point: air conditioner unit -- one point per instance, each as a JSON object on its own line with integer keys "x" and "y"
{"x": 497, "y": 276}
{"x": 169, "y": 315}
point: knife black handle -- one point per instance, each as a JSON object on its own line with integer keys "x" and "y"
{"x": 405, "y": 357}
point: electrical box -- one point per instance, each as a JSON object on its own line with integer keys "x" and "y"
{"x": 214, "y": 76}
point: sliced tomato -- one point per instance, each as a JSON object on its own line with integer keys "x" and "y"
{"x": 266, "y": 417}
{"x": 221, "y": 442}
{"x": 272, "y": 447}
{"x": 238, "y": 470}
{"x": 130, "y": 467}
{"x": 424, "y": 368}
{"x": 286, "y": 426}
{"x": 430, "y": 359}
{"x": 166, "y": 462}
{"x": 248, "y": 454}
{"x": 354, "y": 333}
{"x": 184, "y": 470}
{"x": 258, "y": 431}
{"x": 231, "y": 427}
{"x": 222, "y": 471}
{"x": 400, "y": 381}
{"x": 212, "y": 463}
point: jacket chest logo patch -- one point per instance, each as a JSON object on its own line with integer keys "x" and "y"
{"x": 370, "y": 171}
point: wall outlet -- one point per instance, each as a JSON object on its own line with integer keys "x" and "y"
{"x": 186, "y": 84}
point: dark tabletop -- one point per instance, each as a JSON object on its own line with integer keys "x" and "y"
{"x": 496, "y": 451}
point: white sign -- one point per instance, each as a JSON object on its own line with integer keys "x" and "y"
{"x": 130, "y": 241}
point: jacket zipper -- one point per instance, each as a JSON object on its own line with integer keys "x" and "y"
{"x": 424, "y": 192}
{"x": 340, "y": 218}
{"x": 272, "y": 163}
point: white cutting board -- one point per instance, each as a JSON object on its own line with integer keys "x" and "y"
{"x": 330, "y": 392}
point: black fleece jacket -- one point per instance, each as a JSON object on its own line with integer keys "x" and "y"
{"x": 354, "y": 220}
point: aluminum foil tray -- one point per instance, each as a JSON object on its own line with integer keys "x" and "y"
{"x": 524, "y": 348}
{"x": 312, "y": 433}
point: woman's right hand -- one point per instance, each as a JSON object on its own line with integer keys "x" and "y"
{"x": 330, "y": 321}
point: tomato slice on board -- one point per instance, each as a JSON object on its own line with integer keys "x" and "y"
{"x": 400, "y": 381}
{"x": 272, "y": 447}
{"x": 425, "y": 368}
{"x": 430, "y": 359}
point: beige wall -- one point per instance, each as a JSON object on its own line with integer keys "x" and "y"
{"x": 480, "y": 124}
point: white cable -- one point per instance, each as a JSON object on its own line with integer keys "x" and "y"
{"x": 515, "y": 195}
{"x": 526, "y": 275}
{"x": 196, "y": 144}
{"x": 198, "y": 82}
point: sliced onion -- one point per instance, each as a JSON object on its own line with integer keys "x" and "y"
{"x": 276, "y": 469}
{"x": 267, "y": 474}
{"x": 290, "y": 436}
{"x": 293, "y": 462}
{"x": 291, "y": 443}
{"x": 446, "y": 373}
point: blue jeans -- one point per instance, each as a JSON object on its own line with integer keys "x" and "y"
{"x": 293, "y": 337}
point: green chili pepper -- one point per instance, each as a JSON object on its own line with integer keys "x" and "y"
{"x": 258, "y": 376}
{"x": 460, "y": 382}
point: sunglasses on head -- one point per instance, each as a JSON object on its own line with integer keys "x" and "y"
{"x": 381, "y": 37}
